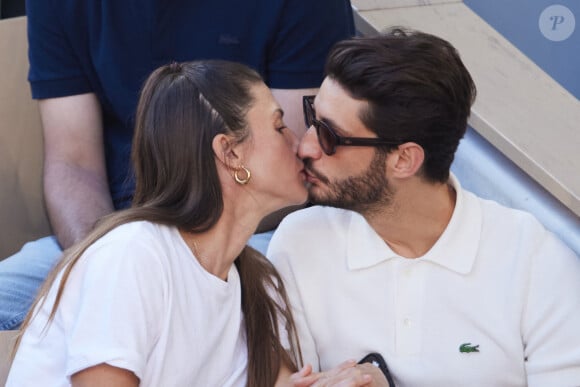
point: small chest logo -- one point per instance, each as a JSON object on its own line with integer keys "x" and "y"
{"x": 468, "y": 348}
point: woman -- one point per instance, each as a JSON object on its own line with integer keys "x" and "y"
{"x": 167, "y": 293}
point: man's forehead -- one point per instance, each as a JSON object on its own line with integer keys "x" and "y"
{"x": 333, "y": 96}
{"x": 335, "y": 105}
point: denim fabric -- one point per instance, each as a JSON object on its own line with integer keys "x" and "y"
{"x": 21, "y": 276}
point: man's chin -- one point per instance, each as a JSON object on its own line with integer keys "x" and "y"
{"x": 314, "y": 194}
{"x": 318, "y": 196}
{"x": 321, "y": 201}
{"x": 312, "y": 198}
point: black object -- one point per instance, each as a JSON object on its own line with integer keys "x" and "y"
{"x": 377, "y": 360}
{"x": 12, "y": 8}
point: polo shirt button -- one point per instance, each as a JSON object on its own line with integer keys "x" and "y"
{"x": 407, "y": 322}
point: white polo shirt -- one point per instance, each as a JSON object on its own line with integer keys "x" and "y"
{"x": 495, "y": 302}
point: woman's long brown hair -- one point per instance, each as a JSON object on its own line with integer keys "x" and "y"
{"x": 182, "y": 107}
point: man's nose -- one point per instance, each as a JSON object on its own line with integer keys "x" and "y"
{"x": 309, "y": 147}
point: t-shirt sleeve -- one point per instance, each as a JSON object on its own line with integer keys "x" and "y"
{"x": 113, "y": 307}
{"x": 551, "y": 321}
{"x": 306, "y": 32}
{"x": 55, "y": 70}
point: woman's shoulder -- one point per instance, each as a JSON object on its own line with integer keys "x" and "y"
{"x": 134, "y": 243}
{"x": 141, "y": 232}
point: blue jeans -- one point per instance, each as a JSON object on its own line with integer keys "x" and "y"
{"x": 21, "y": 276}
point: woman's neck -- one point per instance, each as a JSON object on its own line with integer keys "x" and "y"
{"x": 217, "y": 249}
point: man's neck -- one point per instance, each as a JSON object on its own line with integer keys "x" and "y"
{"x": 416, "y": 218}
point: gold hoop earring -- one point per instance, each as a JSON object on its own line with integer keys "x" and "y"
{"x": 244, "y": 180}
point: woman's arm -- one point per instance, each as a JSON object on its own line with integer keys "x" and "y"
{"x": 104, "y": 375}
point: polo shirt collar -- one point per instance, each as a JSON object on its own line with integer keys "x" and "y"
{"x": 455, "y": 250}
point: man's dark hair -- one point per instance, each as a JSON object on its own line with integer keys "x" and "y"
{"x": 416, "y": 87}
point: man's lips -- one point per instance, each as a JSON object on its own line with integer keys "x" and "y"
{"x": 309, "y": 176}
{"x": 313, "y": 176}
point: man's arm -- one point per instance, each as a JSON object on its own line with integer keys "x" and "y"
{"x": 551, "y": 315}
{"x": 290, "y": 101}
{"x": 75, "y": 179}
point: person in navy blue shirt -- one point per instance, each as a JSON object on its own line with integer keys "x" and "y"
{"x": 88, "y": 60}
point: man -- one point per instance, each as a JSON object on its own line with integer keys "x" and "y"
{"x": 88, "y": 60}
{"x": 451, "y": 289}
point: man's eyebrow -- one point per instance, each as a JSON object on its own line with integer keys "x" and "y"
{"x": 328, "y": 121}
{"x": 337, "y": 128}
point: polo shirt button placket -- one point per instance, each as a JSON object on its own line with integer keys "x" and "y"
{"x": 409, "y": 296}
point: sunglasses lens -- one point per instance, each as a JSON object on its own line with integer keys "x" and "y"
{"x": 326, "y": 138}
{"x": 308, "y": 113}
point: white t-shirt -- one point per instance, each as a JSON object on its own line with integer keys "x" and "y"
{"x": 495, "y": 302}
{"x": 138, "y": 299}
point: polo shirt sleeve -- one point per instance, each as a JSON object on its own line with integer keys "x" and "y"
{"x": 306, "y": 32}
{"x": 551, "y": 320}
{"x": 55, "y": 70}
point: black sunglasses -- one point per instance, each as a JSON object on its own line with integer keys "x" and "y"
{"x": 328, "y": 138}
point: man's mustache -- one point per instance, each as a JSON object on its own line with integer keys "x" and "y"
{"x": 310, "y": 169}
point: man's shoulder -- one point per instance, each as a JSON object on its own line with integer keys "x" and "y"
{"x": 518, "y": 227}
{"x": 510, "y": 217}
{"x": 302, "y": 231}
{"x": 315, "y": 218}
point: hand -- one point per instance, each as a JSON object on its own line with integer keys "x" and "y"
{"x": 347, "y": 374}
{"x": 378, "y": 378}
{"x": 304, "y": 377}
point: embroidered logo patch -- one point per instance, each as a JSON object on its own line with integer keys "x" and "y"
{"x": 468, "y": 348}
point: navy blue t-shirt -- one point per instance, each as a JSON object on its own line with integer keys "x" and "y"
{"x": 109, "y": 47}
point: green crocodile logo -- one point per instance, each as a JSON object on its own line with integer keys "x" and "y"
{"x": 467, "y": 348}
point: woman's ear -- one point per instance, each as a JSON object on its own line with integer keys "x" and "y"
{"x": 226, "y": 151}
{"x": 408, "y": 159}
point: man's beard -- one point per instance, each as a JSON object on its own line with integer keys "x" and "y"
{"x": 364, "y": 193}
